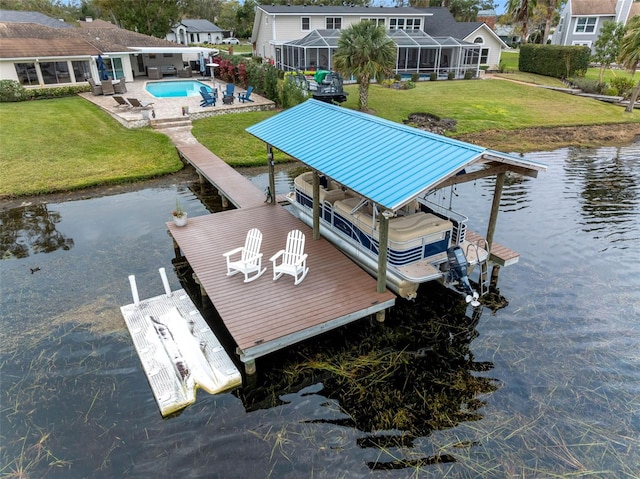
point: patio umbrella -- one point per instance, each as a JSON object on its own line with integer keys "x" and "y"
{"x": 203, "y": 68}
{"x": 102, "y": 68}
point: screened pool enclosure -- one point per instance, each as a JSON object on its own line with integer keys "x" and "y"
{"x": 416, "y": 52}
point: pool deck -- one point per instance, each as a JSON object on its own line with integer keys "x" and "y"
{"x": 169, "y": 110}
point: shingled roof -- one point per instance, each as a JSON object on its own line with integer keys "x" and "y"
{"x": 593, "y": 7}
{"x": 442, "y": 24}
{"x": 36, "y": 40}
{"x": 17, "y": 16}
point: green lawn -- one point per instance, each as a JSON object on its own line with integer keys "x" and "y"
{"x": 509, "y": 60}
{"x": 64, "y": 144}
{"x": 69, "y": 143}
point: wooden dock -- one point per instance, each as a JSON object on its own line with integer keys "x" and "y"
{"x": 232, "y": 185}
{"x": 266, "y": 315}
{"x": 499, "y": 254}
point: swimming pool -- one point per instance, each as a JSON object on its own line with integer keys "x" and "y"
{"x": 175, "y": 89}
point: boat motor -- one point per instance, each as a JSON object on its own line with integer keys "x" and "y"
{"x": 458, "y": 265}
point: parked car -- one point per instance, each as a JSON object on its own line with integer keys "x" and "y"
{"x": 230, "y": 41}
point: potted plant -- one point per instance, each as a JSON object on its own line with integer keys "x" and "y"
{"x": 179, "y": 214}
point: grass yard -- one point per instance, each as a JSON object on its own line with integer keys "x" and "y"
{"x": 509, "y": 60}
{"x": 69, "y": 143}
{"x": 490, "y": 105}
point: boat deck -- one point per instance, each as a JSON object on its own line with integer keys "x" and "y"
{"x": 500, "y": 255}
{"x": 264, "y": 316}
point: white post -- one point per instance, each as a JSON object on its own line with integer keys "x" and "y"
{"x": 134, "y": 289}
{"x": 165, "y": 282}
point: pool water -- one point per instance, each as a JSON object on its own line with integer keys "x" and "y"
{"x": 175, "y": 89}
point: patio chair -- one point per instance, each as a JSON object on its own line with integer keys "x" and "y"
{"x": 135, "y": 103}
{"x": 121, "y": 101}
{"x": 208, "y": 98}
{"x": 120, "y": 86}
{"x": 292, "y": 259}
{"x": 250, "y": 258}
{"x": 107, "y": 87}
{"x": 96, "y": 90}
{"x": 244, "y": 97}
{"x": 228, "y": 96}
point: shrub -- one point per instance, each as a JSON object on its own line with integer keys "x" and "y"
{"x": 408, "y": 85}
{"x": 451, "y": 75}
{"x": 415, "y": 77}
{"x": 586, "y": 85}
{"x": 397, "y": 77}
{"x": 11, "y": 90}
{"x": 433, "y": 76}
{"x": 611, "y": 91}
{"x": 623, "y": 85}
{"x": 292, "y": 92}
{"x": 468, "y": 75}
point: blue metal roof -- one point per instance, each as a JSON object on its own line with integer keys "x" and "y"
{"x": 387, "y": 162}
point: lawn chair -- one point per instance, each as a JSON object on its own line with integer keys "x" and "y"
{"x": 95, "y": 89}
{"x": 135, "y": 103}
{"x": 121, "y": 101}
{"x": 228, "y": 97}
{"x": 293, "y": 260}
{"x": 250, "y": 260}
{"x": 208, "y": 98}
{"x": 244, "y": 97}
{"x": 107, "y": 87}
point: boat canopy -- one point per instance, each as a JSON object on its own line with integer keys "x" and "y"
{"x": 387, "y": 162}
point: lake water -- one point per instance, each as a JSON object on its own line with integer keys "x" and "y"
{"x": 547, "y": 386}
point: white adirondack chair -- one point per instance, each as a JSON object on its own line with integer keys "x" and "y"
{"x": 246, "y": 259}
{"x": 293, "y": 260}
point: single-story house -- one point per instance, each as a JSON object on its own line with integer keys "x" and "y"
{"x": 195, "y": 31}
{"x": 427, "y": 39}
{"x": 581, "y": 20}
{"x": 36, "y": 50}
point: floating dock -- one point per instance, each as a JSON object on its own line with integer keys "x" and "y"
{"x": 178, "y": 351}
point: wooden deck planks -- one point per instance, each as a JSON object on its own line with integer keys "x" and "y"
{"x": 238, "y": 189}
{"x": 500, "y": 255}
{"x": 266, "y": 312}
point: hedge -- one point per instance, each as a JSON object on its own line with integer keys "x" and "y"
{"x": 11, "y": 90}
{"x": 554, "y": 60}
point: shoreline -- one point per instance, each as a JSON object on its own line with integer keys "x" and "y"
{"x": 508, "y": 141}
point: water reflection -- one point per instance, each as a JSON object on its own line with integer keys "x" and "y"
{"x": 31, "y": 230}
{"x": 547, "y": 387}
{"x": 609, "y": 184}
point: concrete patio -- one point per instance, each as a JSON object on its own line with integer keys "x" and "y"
{"x": 168, "y": 112}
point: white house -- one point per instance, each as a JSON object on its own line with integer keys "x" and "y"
{"x": 36, "y": 50}
{"x": 195, "y": 31}
{"x": 581, "y": 20}
{"x": 427, "y": 39}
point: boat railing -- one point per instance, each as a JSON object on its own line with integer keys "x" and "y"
{"x": 458, "y": 219}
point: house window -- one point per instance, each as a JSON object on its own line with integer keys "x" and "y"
{"x": 484, "y": 55}
{"x": 334, "y": 23}
{"x": 26, "y": 73}
{"x": 306, "y": 23}
{"x": 479, "y": 40}
{"x": 55, "y": 72}
{"x": 404, "y": 24}
{"x": 376, "y": 21}
{"x": 81, "y": 70}
{"x": 586, "y": 24}
{"x": 582, "y": 43}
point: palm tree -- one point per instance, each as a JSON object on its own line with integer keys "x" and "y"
{"x": 365, "y": 51}
{"x": 629, "y": 55}
{"x": 520, "y": 11}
